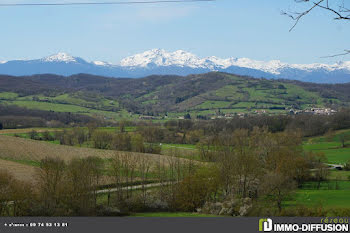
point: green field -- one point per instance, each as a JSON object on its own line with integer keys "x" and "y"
{"x": 8, "y": 95}
{"x": 334, "y": 193}
{"x": 330, "y": 147}
{"x": 339, "y": 175}
{"x": 324, "y": 198}
{"x": 327, "y": 196}
{"x": 25, "y": 162}
{"x": 249, "y": 96}
{"x": 76, "y": 102}
{"x": 179, "y": 146}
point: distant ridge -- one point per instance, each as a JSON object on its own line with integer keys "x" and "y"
{"x": 161, "y": 62}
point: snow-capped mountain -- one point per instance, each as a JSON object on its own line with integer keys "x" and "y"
{"x": 160, "y": 57}
{"x": 60, "y": 57}
{"x": 159, "y": 61}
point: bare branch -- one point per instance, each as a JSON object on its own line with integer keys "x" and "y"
{"x": 340, "y": 54}
{"x": 339, "y": 16}
{"x": 343, "y": 13}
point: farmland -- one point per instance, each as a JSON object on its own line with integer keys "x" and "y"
{"x": 159, "y": 167}
{"x": 20, "y": 171}
{"x": 331, "y": 147}
{"x": 24, "y": 149}
{"x": 74, "y": 103}
{"x": 161, "y": 97}
{"x": 333, "y": 193}
{"x": 24, "y": 153}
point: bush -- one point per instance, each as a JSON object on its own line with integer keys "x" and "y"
{"x": 47, "y": 136}
{"x": 18, "y": 192}
{"x": 347, "y": 166}
{"x": 102, "y": 139}
{"x": 33, "y": 135}
{"x": 196, "y": 189}
{"x": 121, "y": 142}
{"x": 153, "y": 148}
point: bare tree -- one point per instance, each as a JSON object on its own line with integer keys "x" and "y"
{"x": 144, "y": 168}
{"x": 343, "y": 138}
{"x": 339, "y": 9}
{"x": 95, "y": 166}
{"x": 51, "y": 178}
{"x": 128, "y": 171}
{"x": 277, "y": 187}
{"x": 5, "y": 191}
{"x": 117, "y": 172}
{"x": 15, "y": 196}
{"x": 321, "y": 174}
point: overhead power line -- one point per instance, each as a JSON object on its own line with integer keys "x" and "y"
{"x": 101, "y": 3}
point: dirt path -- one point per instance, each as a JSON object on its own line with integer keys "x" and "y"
{"x": 135, "y": 187}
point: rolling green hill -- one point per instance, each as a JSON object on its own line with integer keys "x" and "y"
{"x": 205, "y": 95}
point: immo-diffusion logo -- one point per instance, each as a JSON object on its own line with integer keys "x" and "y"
{"x": 267, "y": 225}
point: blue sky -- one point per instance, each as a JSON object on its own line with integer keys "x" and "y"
{"x": 225, "y": 28}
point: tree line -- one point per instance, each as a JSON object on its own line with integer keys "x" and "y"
{"x": 12, "y": 117}
{"x": 255, "y": 166}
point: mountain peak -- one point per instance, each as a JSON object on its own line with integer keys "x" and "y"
{"x": 161, "y": 57}
{"x": 60, "y": 57}
{"x": 156, "y": 51}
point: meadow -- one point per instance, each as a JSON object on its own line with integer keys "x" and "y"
{"x": 80, "y": 103}
{"x": 331, "y": 194}
{"x": 335, "y": 192}
{"x": 331, "y": 147}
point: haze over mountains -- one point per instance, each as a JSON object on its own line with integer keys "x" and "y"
{"x": 161, "y": 62}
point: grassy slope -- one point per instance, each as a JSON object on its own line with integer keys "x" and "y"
{"x": 329, "y": 196}
{"x": 31, "y": 152}
{"x": 74, "y": 103}
{"x": 199, "y": 94}
{"x": 331, "y": 148}
{"x": 240, "y": 95}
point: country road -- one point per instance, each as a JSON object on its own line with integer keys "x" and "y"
{"x": 179, "y": 147}
{"x": 334, "y": 166}
{"x": 135, "y": 187}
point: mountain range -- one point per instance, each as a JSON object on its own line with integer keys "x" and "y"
{"x": 161, "y": 62}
